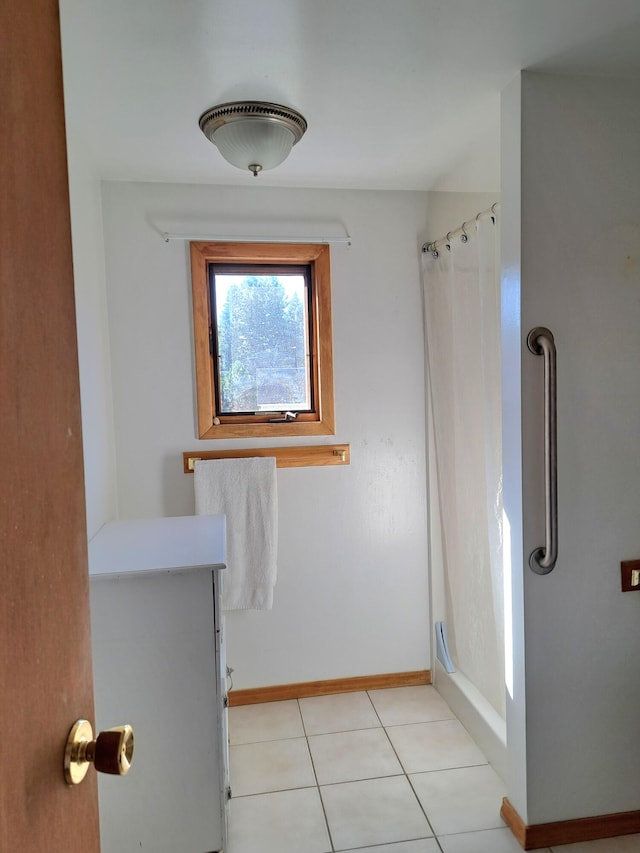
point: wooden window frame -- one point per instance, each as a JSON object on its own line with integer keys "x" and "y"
{"x": 210, "y": 422}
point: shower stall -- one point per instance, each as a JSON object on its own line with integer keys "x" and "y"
{"x": 462, "y": 331}
{"x": 570, "y": 265}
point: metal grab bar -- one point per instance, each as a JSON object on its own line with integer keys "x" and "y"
{"x": 543, "y": 560}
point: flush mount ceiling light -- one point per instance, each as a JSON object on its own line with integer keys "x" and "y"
{"x": 253, "y": 135}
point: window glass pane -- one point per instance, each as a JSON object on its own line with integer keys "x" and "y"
{"x": 262, "y": 342}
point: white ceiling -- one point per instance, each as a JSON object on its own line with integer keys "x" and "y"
{"x": 398, "y": 94}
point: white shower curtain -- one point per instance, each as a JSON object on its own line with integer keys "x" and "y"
{"x": 462, "y": 313}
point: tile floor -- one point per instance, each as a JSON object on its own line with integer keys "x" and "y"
{"x": 390, "y": 771}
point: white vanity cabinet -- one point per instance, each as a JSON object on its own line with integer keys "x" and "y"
{"x": 159, "y": 665}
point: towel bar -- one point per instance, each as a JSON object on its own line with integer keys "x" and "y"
{"x": 286, "y": 457}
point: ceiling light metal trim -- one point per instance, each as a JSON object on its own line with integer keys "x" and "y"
{"x": 222, "y": 114}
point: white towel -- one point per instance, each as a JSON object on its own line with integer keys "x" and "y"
{"x": 245, "y": 491}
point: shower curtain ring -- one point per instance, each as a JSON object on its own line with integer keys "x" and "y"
{"x": 448, "y": 239}
{"x": 464, "y": 237}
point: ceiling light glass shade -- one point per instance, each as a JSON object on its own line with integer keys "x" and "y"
{"x": 253, "y": 135}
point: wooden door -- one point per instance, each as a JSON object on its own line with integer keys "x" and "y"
{"x": 45, "y": 651}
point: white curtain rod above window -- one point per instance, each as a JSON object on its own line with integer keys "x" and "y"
{"x": 204, "y": 238}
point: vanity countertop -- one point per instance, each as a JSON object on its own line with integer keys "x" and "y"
{"x": 158, "y": 545}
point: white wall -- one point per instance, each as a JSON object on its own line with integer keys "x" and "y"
{"x": 511, "y": 343}
{"x": 578, "y": 195}
{"x": 93, "y": 344}
{"x": 352, "y": 591}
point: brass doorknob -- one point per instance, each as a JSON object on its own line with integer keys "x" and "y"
{"x": 111, "y": 752}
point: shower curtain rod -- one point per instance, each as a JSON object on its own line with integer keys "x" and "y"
{"x": 461, "y": 232}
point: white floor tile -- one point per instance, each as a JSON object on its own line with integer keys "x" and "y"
{"x": 425, "y": 845}
{"x": 434, "y": 746}
{"x": 489, "y": 841}
{"x": 467, "y": 799}
{"x": 620, "y": 844}
{"x": 375, "y": 811}
{"x": 348, "y": 756}
{"x": 339, "y": 712}
{"x": 266, "y": 721}
{"x": 398, "y": 706}
{"x": 283, "y": 822}
{"x": 364, "y": 796}
{"x": 275, "y": 765}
